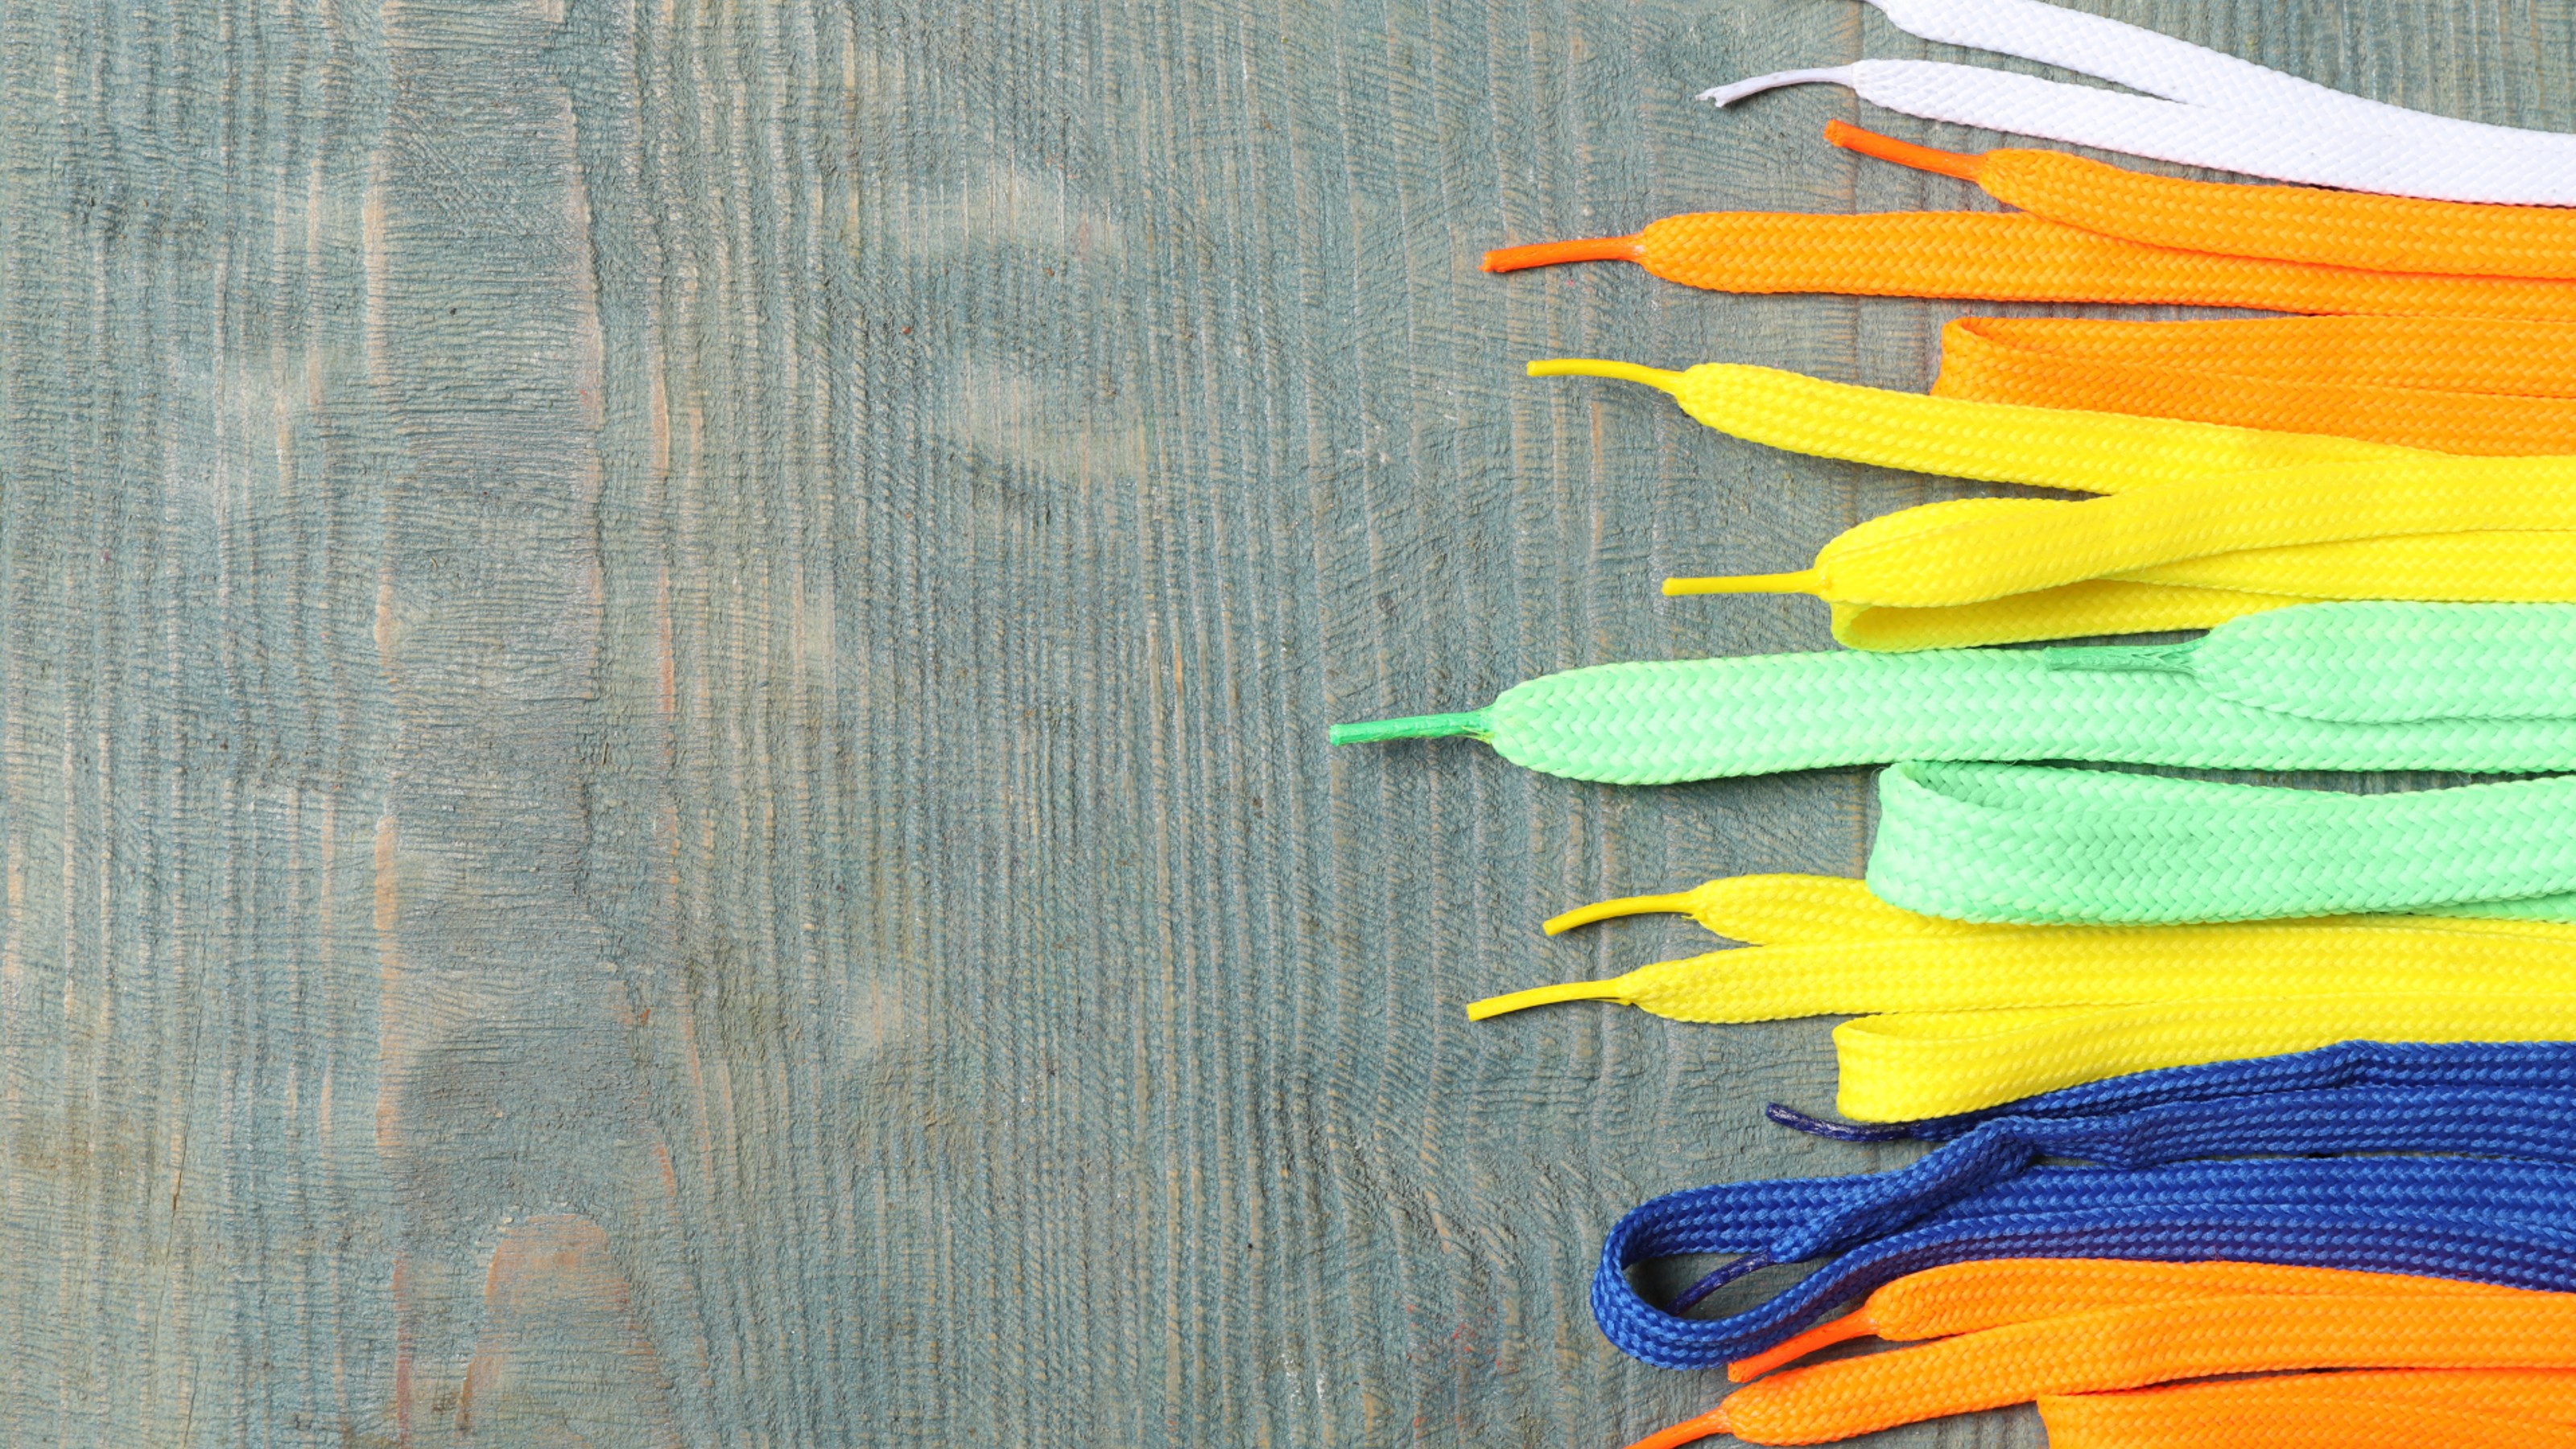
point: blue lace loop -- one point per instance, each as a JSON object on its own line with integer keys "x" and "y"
{"x": 2499, "y": 1207}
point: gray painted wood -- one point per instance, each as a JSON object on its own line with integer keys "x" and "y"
{"x": 662, "y": 672}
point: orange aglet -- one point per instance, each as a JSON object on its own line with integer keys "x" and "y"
{"x": 1855, "y": 1324}
{"x": 1688, "y": 1431}
{"x": 1904, "y": 153}
{"x": 1548, "y": 254}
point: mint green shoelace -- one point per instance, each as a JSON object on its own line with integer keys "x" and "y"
{"x": 2041, "y": 845}
{"x": 2338, "y": 686}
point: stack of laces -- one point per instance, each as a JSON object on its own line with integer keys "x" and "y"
{"x": 2306, "y": 1055}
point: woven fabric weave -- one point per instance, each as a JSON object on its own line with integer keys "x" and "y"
{"x": 1979, "y": 1015}
{"x": 2083, "y": 452}
{"x": 2201, "y": 107}
{"x": 2283, "y": 223}
{"x": 2503, "y": 1066}
{"x": 1999, "y": 257}
{"x": 2483, "y": 1218}
{"x": 2497, "y": 389}
{"x": 2042, "y": 845}
{"x": 2424, "y": 527}
{"x": 2235, "y": 1300}
{"x": 2120, "y": 1348}
{"x": 1662, "y": 722}
{"x": 2365, "y": 1409}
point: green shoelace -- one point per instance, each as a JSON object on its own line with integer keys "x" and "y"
{"x": 2337, "y": 686}
{"x": 2040, "y": 845}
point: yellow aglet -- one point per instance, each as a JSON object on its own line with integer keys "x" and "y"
{"x": 1681, "y": 904}
{"x": 1804, "y": 581}
{"x": 1655, "y": 377}
{"x": 1611, "y": 990}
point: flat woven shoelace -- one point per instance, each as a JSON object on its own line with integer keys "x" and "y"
{"x": 2368, "y": 1409}
{"x": 2496, "y": 388}
{"x": 2354, "y": 1097}
{"x": 2003, "y": 257}
{"x": 2283, "y": 223}
{"x": 1980, "y": 1015}
{"x": 2094, "y": 452}
{"x": 2543, "y": 1065}
{"x": 2054, "y": 846}
{"x": 2485, "y": 1218}
{"x": 2100, "y": 451}
{"x": 2154, "y": 574}
{"x": 2421, "y": 527}
{"x": 2134, "y": 1345}
{"x": 2201, "y": 108}
{"x": 2358, "y": 686}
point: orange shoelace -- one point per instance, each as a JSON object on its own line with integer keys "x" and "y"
{"x": 2013, "y": 258}
{"x": 2282, "y": 223}
{"x": 2370, "y": 1409}
{"x": 2496, "y": 388}
{"x": 2012, "y": 1331}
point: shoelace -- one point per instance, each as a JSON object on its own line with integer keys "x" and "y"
{"x": 2003, "y": 257}
{"x": 2355, "y": 686}
{"x": 2101, "y": 451}
{"x": 2326, "y": 1100}
{"x": 2055, "y": 846}
{"x": 1977, "y": 1297}
{"x": 2092, "y": 452}
{"x": 1998, "y": 1292}
{"x": 2486, "y": 1218}
{"x": 2154, "y": 574}
{"x": 2382, "y": 1409}
{"x": 2135, "y": 1345}
{"x": 2202, "y": 108}
{"x": 2498, "y": 388}
{"x": 2547, "y": 1065}
{"x": 2424, "y": 527}
{"x": 1980, "y": 1015}
{"x": 2283, "y": 223}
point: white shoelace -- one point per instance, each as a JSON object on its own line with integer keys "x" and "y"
{"x": 2202, "y": 108}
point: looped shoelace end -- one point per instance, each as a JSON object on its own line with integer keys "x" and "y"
{"x": 1493, "y": 1006}
{"x": 1804, "y": 581}
{"x": 1599, "y": 367}
{"x": 1413, "y": 727}
{"x": 1680, "y": 903}
{"x": 1727, "y": 95}
{"x": 1549, "y": 254}
{"x": 1904, "y": 153}
{"x": 1690, "y": 1297}
{"x": 1855, "y": 1324}
{"x": 1689, "y": 1431}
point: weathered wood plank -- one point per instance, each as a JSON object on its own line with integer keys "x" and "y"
{"x": 662, "y": 667}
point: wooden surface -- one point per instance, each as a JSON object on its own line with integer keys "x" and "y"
{"x": 662, "y": 674}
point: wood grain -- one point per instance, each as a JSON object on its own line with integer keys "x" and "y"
{"x": 662, "y": 673}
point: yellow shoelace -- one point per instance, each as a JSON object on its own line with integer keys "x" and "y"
{"x": 2002, "y": 443}
{"x": 1963, "y": 1016}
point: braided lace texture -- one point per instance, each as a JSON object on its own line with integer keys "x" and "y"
{"x": 2191, "y": 583}
{"x": 2005, "y": 257}
{"x": 2385, "y": 1409}
{"x": 2283, "y": 223}
{"x": 1979, "y": 1015}
{"x": 2422, "y": 527}
{"x": 2498, "y": 388}
{"x": 1980, "y": 1297}
{"x": 2134, "y": 1345}
{"x": 1991, "y": 842}
{"x": 2202, "y": 108}
{"x": 2501, "y": 1209}
{"x": 1662, "y": 722}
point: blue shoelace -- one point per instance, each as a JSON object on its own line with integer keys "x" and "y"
{"x": 2501, "y": 1210}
